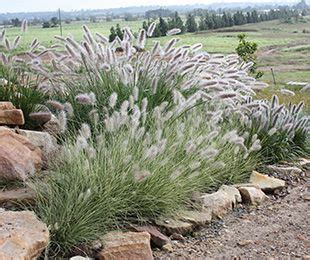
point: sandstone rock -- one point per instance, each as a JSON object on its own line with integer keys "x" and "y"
{"x": 12, "y": 117}
{"x": 244, "y": 242}
{"x": 19, "y": 159}
{"x": 40, "y": 117}
{"x": 219, "y": 203}
{"x": 22, "y": 235}
{"x": 233, "y": 192}
{"x": 176, "y": 236}
{"x": 126, "y": 245}
{"x": 6, "y": 106}
{"x": 15, "y": 196}
{"x": 171, "y": 226}
{"x": 265, "y": 182}
{"x": 198, "y": 218}
{"x": 157, "y": 238}
{"x": 285, "y": 170}
{"x": 252, "y": 195}
{"x": 168, "y": 248}
{"x": 46, "y": 142}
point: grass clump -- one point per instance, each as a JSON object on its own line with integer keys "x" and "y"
{"x": 133, "y": 173}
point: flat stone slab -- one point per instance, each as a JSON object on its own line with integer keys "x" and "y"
{"x": 265, "y": 182}
{"x": 6, "y": 105}
{"x": 22, "y": 235}
{"x": 12, "y": 117}
{"x": 252, "y": 195}
{"x": 126, "y": 245}
{"x": 24, "y": 195}
{"x": 171, "y": 226}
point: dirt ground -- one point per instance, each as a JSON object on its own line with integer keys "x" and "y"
{"x": 278, "y": 229}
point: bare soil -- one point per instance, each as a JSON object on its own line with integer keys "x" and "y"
{"x": 278, "y": 229}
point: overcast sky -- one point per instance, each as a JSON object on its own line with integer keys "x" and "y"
{"x": 50, "y": 5}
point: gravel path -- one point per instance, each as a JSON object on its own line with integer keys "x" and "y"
{"x": 278, "y": 229}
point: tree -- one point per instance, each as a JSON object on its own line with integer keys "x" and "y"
{"x": 119, "y": 32}
{"x": 46, "y": 24}
{"x": 176, "y": 22}
{"x": 16, "y": 22}
{"x": 191, "y": 25}
{"x": 202, "y": 24}
{"x": 112, "y": 35}
{"x": 145, "y": 25}
{"x": 246, "y": 51}
{"x": 54, "y": 22}
{"x": 163, "y": 26}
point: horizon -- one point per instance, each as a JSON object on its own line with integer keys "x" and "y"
{"x": 18, "y": 6}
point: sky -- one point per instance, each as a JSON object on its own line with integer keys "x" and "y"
{"x": 68, "y": 5}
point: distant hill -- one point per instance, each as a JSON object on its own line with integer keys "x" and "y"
{"x": 140, "y": 10}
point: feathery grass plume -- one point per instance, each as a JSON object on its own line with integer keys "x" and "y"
{"x": 170, "y": 44}
{"x": 156, "y": 49}
{"x": 85, "y": 131}
{"x": 16, "y": 42}
{"x": 102, "y": 38}
{"x": 24, "y": 26}
{"x": 7, "y": 44}
{"x": 55, "y": 104}
{"x": 141, "y": 38}
{"x": 113, "y": 100}
{"x": 305, "y": 88}
{"x": 173, "y": 32}
{"x": 62, "y": 117}
{"x": 196, "y": 47}
{"x": 2, "y": 35}
{"x": 4, "y": 58}
{"x": 151, "y": 29}
{"x": 287, "y": 92}
{"x": 60, "y": 38}
{"x": 84, "y": 99}
{"x": 128, "y": 34}
{"x": 88, "y": 35}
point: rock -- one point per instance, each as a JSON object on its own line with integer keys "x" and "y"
{"x": 6, "y": 106}
{"x": 244, "y": 242}
{"x": 12, "y": 117}
{"x": 15, "y": 196}
{"x": 126, "y": 245}
{"x": 306, "y": 196}
{"x": 52, "y": 126}
{"x": 265, "y": 182}
{"x": 219, "y": 203}
{"x": 40, "y": 117}
{"x": 19, "y": 158}
{"x": 176, "y": 236}
{"x": 171, "y": 226}
{"x": 252, "y": 195}
{"x": 285, "y": 170}
{"x": 168, "y": 248}
{"x": 46, "y": 142}
{"x": 22, "y": 235}
{"x": 157, "y": 238}
{"x": 233, "y": 192}
{"x": 198, "y": 218}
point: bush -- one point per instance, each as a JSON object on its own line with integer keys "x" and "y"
{"x": 134, "y": 172}
{"x": 284, "y": 132}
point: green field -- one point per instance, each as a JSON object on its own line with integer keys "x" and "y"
{"x": 283, "y": 47}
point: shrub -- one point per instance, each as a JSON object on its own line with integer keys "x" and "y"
{"x": 284, "y": 132}
{"x": 134, "y": 172}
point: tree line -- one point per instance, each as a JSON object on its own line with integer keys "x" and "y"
{"x": 212, "y": 20}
